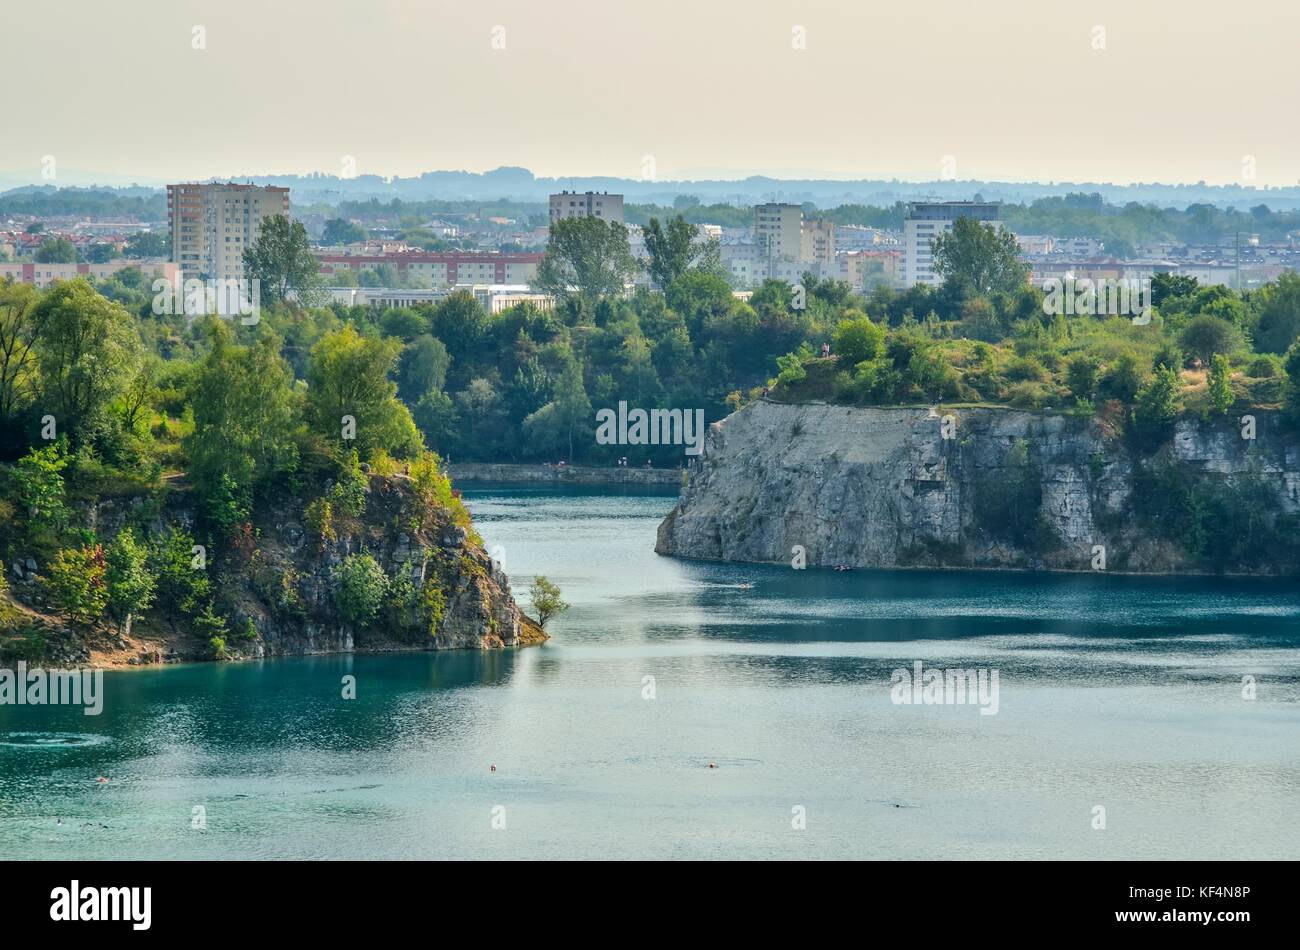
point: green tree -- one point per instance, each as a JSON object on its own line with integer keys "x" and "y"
{"x": 1081, "y": 375}
{"x": 676, "y": 249}
{"x": 76, "y": 582}
{"x": 148, "y": 244}
{"x": 87, "y": 351}
{"x": 1291, "y": 393}
{"x": 342, "y": 231}
{"x": 21, "y": 322}
{"x": 546, "y": 599}
{"x": 37, "y": 484}
{"x": 100, "y": 253}
{"x": 557, "y": 422}
{"x": 856, "y": 340}
{"x": 348, "y": 376}
{"x": 282, "y": 262}
{"x": 586, "y": 259}
{"x": 130, "y": 582}
{"x": 1279, "y": 315}
{"x": 56, "y": 250}
{"x": 246, "y": 413}
{"x": 1158, "y": 405}
{"x": 1206, "y": 336}
{"x": 424, "y": 366}
{"x": 181, "y": 584}
{"x": 1220, "y": 384}
{"x": 980, "y": 257}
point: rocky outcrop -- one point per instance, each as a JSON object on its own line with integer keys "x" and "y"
{"x": 277, "y": 591}
{"x": 992, "y": 488}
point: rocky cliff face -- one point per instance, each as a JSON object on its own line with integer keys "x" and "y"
{"x": 876, "y": 487}
{"x": 284, "y": 583}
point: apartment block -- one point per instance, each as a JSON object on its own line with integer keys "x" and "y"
{"x": 817, "y": 240}
{"x": 42, "y": 275}
{"x": 927, "y": 220}
{"x": 778, "y": 231}
{"x": 591, "y": 204}
{"x": 213, "y": 224}
{"x": 445, "y": 269}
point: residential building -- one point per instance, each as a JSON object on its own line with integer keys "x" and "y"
{"x": 778, "y": 231}
{"x": 927, "y": 220}
{"x": 440, "y": 269}
{"x": 817, "y": 241}
{"x": 591, "y": 204}
{"x": 863, "y": 270}
{"x": 42, "y": 275}
{"x": 493, "y": 297}
{"x": 213, "y": 224}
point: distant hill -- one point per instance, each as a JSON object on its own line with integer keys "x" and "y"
{"x": 520, "y": 184}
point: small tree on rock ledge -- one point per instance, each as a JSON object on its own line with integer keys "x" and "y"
{"x": 546, "y": 600}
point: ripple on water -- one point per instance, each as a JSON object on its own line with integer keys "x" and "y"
{"x": 51, "y": 740}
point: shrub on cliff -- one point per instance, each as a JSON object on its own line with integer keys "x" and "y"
{"x": 319, "y": 516}
{"x": 348, "y": 495}
{"x": 1158, "y": 405}
{"x": 362, "y": 586}
{"x": 181, "y": 580}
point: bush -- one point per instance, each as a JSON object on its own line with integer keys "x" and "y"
{"x": 1158, "y": 405}
{"x": 1264, "y": 366}
{"x": 179, "y": 585}
{"x": 1026, "y": 369}
{"x": 362, "y": 586}
{"x": 1081, "y": 376}
{"x": 319, "y": 516}
{"x": 349, "y": 493}
{"x": 858, "y": 340}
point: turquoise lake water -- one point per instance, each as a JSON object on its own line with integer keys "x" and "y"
{"x": 1114, "y": 692}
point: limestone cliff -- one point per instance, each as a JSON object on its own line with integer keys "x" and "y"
{"x": 991, "y": 488}
{"x": 277, "y": 591}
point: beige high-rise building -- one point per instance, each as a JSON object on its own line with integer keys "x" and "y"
{"x": 778, "y": 231}
{"x": 818, "y": 240}
{"x": 212, "y": 225}
{"x": 591, "y": 204}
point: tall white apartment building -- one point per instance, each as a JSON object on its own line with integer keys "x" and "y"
{"x": 591, "y": 204}
{"x": 924, "y": 222}
{"x": 778, "y": 231}
{"x": 212, "y": 225}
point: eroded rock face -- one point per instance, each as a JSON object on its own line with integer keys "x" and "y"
{"x": 480, "y": 612}
{"x": 875, "y": 487}
{"x": 285, "y": 586}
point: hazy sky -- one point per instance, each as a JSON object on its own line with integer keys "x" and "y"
{"x": 1009, "y": 89}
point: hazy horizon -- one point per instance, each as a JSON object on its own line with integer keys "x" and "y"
{"x": 1021, "y": 93}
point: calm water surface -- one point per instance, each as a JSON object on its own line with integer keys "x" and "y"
{"x": 1115, "y": 692}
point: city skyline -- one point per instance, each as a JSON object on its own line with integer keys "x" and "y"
{"x": 827, "y": 90}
